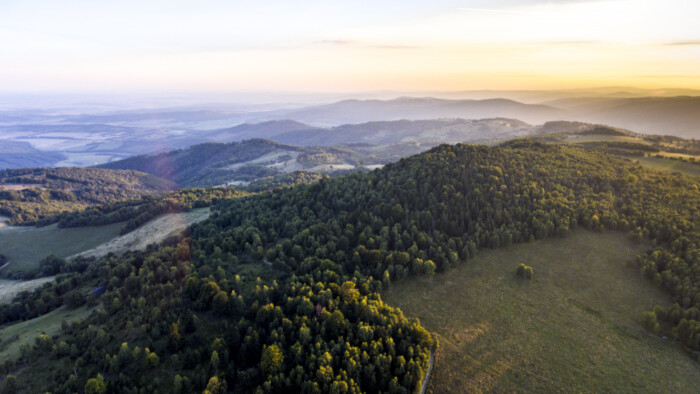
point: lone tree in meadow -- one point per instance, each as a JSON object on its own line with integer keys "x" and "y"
{"x": 649, "y": 322}
{"x": 524, "y": 271}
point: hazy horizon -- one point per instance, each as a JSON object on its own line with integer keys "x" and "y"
{"x": 251, "y": 100}
{"x": 215, "y": 47}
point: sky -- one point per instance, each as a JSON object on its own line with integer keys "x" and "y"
{"x": 350, "y": 46}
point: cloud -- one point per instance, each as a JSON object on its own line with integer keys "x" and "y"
{"x": 682, "y": 43}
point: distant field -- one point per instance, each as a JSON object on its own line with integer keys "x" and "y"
{"x": 10, "y": 288}
{"x": 604, "y": 138}
{"x": 26, "y": 246}
{"x": 12, "y": 337}
{"x": 8, "y": 186}
{"x": 670, "y": 165}
{"x": 679, "y": 155}
{"x": 152, "y": 232}
{"x": 571, "y": 329}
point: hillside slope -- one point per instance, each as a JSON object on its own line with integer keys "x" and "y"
{"x": 300, "y": 147}
{"x": 29, "y": 194}
{"x": 20, "y": 154}
{"x": 380, "y": 132}
{"x": 279, "y": 291}
{"x": 573, "y": 328}
{"x": 214, "y": 164}
{"x": 679, "y": 116}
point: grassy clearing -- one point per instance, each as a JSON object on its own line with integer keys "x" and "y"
{"x": 10, "y": 288}
{"x": 574, "y": 330}
{"x": 12, "y": 337}
{"x": 679, "y": 155}
{"x": 604, "y": 138}
{"x": 26, "y": 246}
{"x": 152, "y": 232}
{"x": 671, "y": 165}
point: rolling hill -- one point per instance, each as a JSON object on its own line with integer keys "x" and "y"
{"x": 280, "y": 291}
{"x": 389, "y": 132}
{"x": 359, "y": 111}
{"x": 30, "y": 194}
{"x": 215, "y": 164}
{"x": 21, "y": 154}
{"x": 300, "y": 147}
{"x": 679, "y": 116}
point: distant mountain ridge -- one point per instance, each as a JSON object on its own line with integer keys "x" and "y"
{"x": 286, "y": 146}
{"x": 412, "y": 108}
{"x": 679, "y": 116}
{"x": 50, "y": 138}
{"x": 379, "y": 132}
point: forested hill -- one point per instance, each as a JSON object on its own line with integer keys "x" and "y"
{"x": 29, "y": 194}
{"x": 213, "y": 164}
{"x": 280, "y": 291}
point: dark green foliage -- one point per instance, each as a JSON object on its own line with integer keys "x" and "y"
{"x": 51, "y": 265}
{"x": 524, "y": 271}
{"x": 51, "y": 295}
{"x": 30, "y": 194}
{"x": 286, "y": 180}
{"x": 604, "y": 130}
{"x": 75, "y": 299}
{"x": 137, "y": 212}
{"x": 279, "y": 292}
{"x": 9, "y": 385}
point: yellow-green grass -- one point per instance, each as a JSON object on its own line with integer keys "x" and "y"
{"x": 24, "y": 247}
{"x": 13, "y": 336}
{"x": 154, "y": 231}
{"x": 10, "y": 288}
{"x": 605, "y": 138}
{"x": 679, "y": 155}
{"x": 671, "y": 165}
{"x": 573, "y": 328}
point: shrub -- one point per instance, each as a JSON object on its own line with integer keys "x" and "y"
{"x": 649, "y": 322}
{"x": 524, "y": 271}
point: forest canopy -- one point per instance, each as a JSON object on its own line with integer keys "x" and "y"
{"x": 280, "y": 291}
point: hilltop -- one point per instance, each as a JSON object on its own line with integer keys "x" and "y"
{"x": 234, "y": 163}
{"x": 30, "y": 194}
